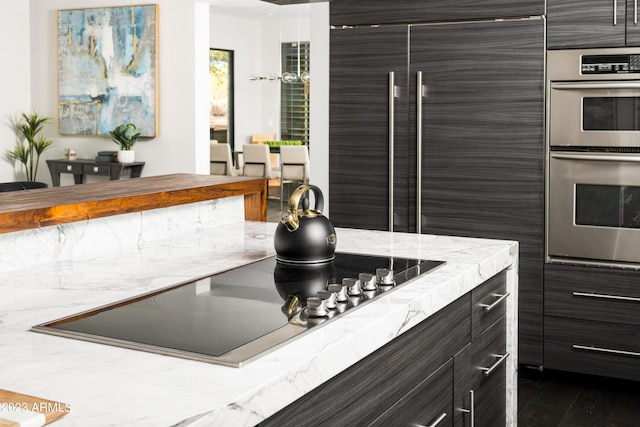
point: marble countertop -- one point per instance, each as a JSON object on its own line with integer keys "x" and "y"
{"x": 111, "y": 386}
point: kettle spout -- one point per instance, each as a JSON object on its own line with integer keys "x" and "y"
{"x": 290, "y": 221}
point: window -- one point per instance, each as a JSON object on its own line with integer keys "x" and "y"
{"x": 294, "y": 106}
{"x": 221, "y": 95}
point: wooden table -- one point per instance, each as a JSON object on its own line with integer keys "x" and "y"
{"x": 81, "y": 167}
{"x": 24, "y": 210}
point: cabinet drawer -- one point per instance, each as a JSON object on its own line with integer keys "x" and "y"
{"x": 366, "y": 390}
{"x": 352, "y": 12}
{"x": 480, "y": 374}
{"x": 429, "y": 404}
{"x": 70, "y": 167}
{"x": 597, "y": 348}
{"x": 95, "y": 169}
{"x": 593, "y": 293}
{"x": 488, "y": 304}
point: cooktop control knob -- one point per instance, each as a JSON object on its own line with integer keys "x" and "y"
{"x": 340, "y": 291}
{"x": 384, "y": 277}
{"x": 354, "y": 287}
{"x": 368, "y": 281}
{"x": 316, "y": 307}
{"x": 329, "y": 297}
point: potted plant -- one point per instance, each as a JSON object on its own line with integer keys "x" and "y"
{"x": 31, "y": 144}
{"x": 126, "y": 136}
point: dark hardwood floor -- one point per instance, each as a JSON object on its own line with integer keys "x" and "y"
{"x": 560, "y": 399}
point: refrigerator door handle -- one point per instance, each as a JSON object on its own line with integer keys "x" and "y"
{"x": 392, "y": 94}
{"x": 421, "y": 92}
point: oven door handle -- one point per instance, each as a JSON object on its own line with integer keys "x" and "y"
{"x": 598, "y": 85}
{"x": 596, "y": 157}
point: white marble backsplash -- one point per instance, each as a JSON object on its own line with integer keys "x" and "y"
{"x": 23, "y": 249}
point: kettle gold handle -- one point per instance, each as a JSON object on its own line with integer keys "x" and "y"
{"x": 290, "y": 219}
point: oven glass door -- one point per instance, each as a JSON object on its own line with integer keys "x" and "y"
{"x": 594, "y": 207}
{"x": 595, "y": 114}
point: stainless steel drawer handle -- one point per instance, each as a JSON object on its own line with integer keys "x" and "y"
{"x": 500, "y": 300}
{"x": 501, "y": 360}
{"x": 591, "y": 86}
{"x": 471, "y": 411}
{"x": 435, "y": 423}
{"x": 605, "y": 350}
{"x": 604, "y": 296}
{"x": 419, "y": 96}
{"x": 598, "y": 158}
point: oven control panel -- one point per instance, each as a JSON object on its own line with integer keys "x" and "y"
{"x": 610, "y": 64}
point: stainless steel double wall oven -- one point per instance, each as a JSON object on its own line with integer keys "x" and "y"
{"x": 593, "y": 135}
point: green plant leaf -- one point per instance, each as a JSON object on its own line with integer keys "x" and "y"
{"x": 125, "y": 135}
{"x": 28, "y": 151}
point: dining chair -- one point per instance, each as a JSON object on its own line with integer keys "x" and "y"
{"x": 257, "y": 162}
{"x": 220, "y": 162}
{"x": 261, "y": 138}
{"x": 294, "y": 167}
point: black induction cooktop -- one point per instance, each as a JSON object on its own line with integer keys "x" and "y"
{"x": 233, "y": 317}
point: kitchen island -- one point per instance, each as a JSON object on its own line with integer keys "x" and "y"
{"x": 63, "y": 205}
{"x": 106, "y": 385}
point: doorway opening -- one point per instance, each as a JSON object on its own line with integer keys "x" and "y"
{"x": 221, "y": 96}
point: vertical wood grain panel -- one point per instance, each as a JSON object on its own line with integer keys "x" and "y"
{"x": 483, "y": 145}
{"x": 585, "y": 24}
{"x": 633, "y": 23}
{"x": 361, "y": 60}
{"x": 351, "y": 12}
{"x": 562, "y": 334}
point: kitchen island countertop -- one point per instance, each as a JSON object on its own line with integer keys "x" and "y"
{"x": 105, "y": 385}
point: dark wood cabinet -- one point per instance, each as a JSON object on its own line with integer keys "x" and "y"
{"x": 81, "y": 167}
{"x": 481, "y": 168}
{"x": 411, "y": 410}
{"x": 595, "y": 348}
{"x": 482, "y": 164}
{"x": 368, "y": 12}
{"x": 592, "y": 24}
{"x": 368, "y": 389}
{"x": 488, "y": 304}
{"x": 410, "y": 381}
{"x": 480, "y": 380}
{"x": 362, "y": 61}
{"x": 480, "y": 368}
{"x": 592, "y": 320}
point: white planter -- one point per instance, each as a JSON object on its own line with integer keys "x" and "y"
{"x": 126, "y": 156}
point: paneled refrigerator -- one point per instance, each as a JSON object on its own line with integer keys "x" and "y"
{"x": 438, "y": 128}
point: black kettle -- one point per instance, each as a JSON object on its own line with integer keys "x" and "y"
{"x": 305, "y": 236}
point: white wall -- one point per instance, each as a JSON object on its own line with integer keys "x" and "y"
{"x": 30, "y": 82}
{"x": 182, "y": 141}
{"x": 319, "y": 100}
{"x": 14, "y": 78}
{"x": 256, "y": 43}
{"x": 253, "y": 100}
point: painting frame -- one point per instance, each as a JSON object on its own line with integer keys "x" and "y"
{"x": 108, "y": 69}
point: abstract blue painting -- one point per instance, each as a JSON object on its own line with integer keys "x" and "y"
{"x": 107, "y": 69}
